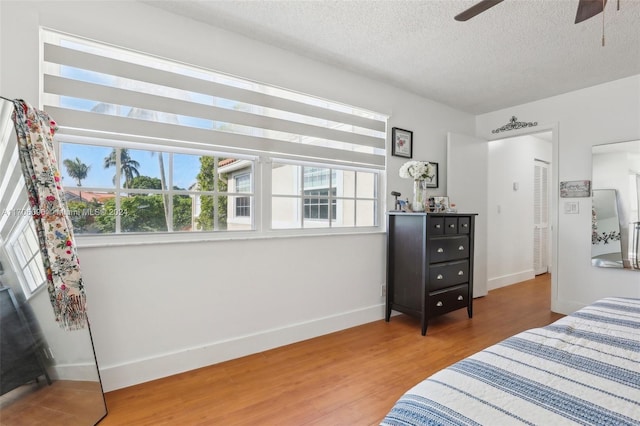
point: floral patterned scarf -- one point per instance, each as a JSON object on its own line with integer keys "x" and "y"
{"x": 35, "y": 130}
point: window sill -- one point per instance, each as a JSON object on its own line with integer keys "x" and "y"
{"x": 98, "y": 241}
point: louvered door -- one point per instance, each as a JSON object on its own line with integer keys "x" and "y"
{"x": 540, "y": 217}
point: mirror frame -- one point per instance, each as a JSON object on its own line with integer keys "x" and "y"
{"x": 614, "y": 166}
{"x": 55, "y": 370}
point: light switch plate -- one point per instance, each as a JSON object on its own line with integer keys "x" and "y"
{"x": 571, "y": 207}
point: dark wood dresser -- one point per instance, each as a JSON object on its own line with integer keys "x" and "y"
{"x": 429, "y": 264}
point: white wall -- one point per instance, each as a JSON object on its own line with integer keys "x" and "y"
{"x": 160, "y": 309}
{"x": 510, "y": 215}
{"x": 606, "y": 113}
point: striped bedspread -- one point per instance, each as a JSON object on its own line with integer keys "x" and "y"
{"x": 582, "y": 369}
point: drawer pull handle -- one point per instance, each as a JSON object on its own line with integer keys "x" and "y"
{"x": 439, "y": 277}
{"x": 460, "y": 273}
{"x": 452, "y": 225}
{"x": 465, "y": 225}
{"x": 437, "y": 226}
{"x": 439, "y": 304}
{"x": 461, "y": 248}
{"x": 440, "y": 250}
{"x": 460, "y": 298}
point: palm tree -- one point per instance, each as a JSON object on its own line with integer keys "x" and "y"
{"x": 128, "y": 166}
{"x": 165, "y": 196}
{"x": 159, "y": 117}
{"x": 77, "y": 170}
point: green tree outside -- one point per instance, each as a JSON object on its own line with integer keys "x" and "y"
{"x": 145, "y": 182}
{"x": 207, "y": 181}
{"x": 145, "y": 212}
{"x": 182, "y": 213}
{"x": 128, "y": 166}
{"x": 77, "y": 170}
{"x": 138, "y": 213}
{"x": 80, "y": 214}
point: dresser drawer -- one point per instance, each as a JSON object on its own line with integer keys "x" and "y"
{"x": 448, "y": 274}
{"x": 436, "y": 226}
{"x": 450, "y": 225}
{"x": 464, "y": 225}
{"x": 442, "y": 249}
{"x": 451, "y": 299}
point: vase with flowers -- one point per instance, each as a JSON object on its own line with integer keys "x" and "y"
{"x": 420, "y": 172}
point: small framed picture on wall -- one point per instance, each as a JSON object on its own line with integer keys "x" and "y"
{"x": 401, "y": 142}
{"x": 432, "y": 178}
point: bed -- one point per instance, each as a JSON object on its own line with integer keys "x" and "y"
{"x": 581, "y": 369}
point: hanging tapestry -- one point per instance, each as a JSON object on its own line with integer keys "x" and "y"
{"x": 35, "y": 131}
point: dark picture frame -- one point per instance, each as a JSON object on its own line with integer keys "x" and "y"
{"x": 401, "y": 142}
{"x": 434, "y": 182}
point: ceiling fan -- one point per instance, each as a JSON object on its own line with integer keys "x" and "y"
{"x": 586, "y": 9}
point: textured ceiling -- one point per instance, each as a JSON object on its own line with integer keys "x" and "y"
{"x": 516, "y": 52}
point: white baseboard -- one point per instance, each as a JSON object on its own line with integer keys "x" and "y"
{"x": 76, "y": 372}
{"x": 505, "y": 280}
{"x": 163, "y": 365}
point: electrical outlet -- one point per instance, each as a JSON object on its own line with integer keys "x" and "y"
{"x": 383, "y": 290}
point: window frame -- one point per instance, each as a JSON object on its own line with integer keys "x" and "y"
{"x": 261, "y": 156}
{"x": 245, "y": 199}
{"x": 262, "y": 222}
{"x": 318, "y": 201}
{"x": 126, "y": 143}
{"x": 336, "y": 181}
{"x": 18, "y": 231}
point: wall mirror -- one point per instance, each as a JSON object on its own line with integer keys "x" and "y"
{"x": 48, "y": 375}
{"x": 615, "y": 235}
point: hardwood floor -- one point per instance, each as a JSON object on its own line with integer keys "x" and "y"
{"x": 351, "y": 377}
{"x": 63, "y": 403}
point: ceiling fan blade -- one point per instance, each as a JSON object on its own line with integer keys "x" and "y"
{"x": 476, "y": 9}
{"x": 588, "y": 9}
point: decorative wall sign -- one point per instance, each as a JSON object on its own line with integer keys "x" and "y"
{"x": 575, "y": 188}
{"x": 514, "y": 124}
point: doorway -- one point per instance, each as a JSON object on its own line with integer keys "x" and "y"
{"x": 518, "y": 237}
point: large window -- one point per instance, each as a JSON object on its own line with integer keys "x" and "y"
{"x": 123, "y": 190}
{"x": 151, "y": 145}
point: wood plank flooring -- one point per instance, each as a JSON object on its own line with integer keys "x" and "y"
{"x": 63, "y": 403}
{"x": 351, "y": 377}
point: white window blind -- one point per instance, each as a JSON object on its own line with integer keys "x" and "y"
{"x": 89, "y": 87}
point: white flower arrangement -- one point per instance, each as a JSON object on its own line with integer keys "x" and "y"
{"x": 418, "y": 170}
